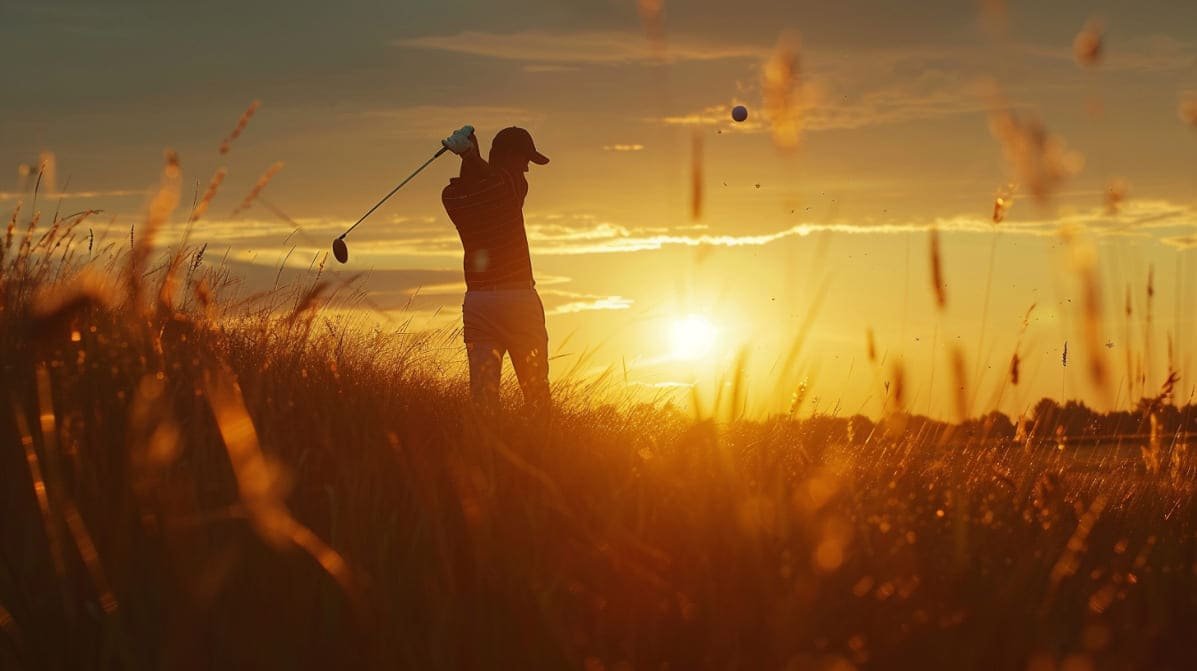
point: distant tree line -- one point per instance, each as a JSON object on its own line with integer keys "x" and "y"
{"x": 1048, "y": 421}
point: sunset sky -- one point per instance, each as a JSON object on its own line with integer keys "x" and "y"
{"x": 896, "y": 103}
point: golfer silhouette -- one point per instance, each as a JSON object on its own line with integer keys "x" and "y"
{"x": 502, "y": 313}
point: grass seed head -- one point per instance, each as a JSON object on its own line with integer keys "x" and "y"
{"x": 209, "y": 193}
{"x": 937, "y": 277}
{"x": 1041, "y": 161}
{"x": 1087, "y": 46}
{"x": 258, "y": 187}
{"x": 242, "y": 122}
{"x": 780, "y": 87}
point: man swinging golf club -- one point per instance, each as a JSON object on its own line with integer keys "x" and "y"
{"x": 502, "y": 313}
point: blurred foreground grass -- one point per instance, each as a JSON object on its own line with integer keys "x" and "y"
{"x": 185, "y": 486}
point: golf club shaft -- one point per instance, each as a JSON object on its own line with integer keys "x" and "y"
{"x": 388, "y": 196}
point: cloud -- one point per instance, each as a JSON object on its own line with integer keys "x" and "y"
{"x": 458, "y": 286}
{"x": 668, "y": 385}
{"x": 598, "y": 230}
{"x": 1155, "y": 53}
{"x": 28, "y": 195}
{"x": 584, "y": 47}
{"x": 623, "y": 147}
{"x": 1142, "y": 217}
{"x": 425, "y": 121}
{"x": 579, "y": 302}
{"x": 1182, "y": 242}
{"x": 541, "y": 67}
{"x": 555, "y": 234}
{"x": 828, "y": 104}
{"x": 605, "y": 303}
{"x": 711, "y": 115}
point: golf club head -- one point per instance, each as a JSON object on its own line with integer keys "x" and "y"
{"x": 340, "y": 251}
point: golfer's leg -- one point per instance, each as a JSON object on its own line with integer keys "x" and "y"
{"x": 530, "y": 354}
{"x": 486, "y": 364}
{"x": 532, "y": 370}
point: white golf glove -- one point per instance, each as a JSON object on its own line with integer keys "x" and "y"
{"x": 459, "y": 142}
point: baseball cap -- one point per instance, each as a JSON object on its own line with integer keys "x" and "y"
{"x": 517, "y": 141}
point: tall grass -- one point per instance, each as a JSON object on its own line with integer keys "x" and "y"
{"x": 187, "y": 483}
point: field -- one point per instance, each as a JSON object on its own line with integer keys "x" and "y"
{"x": 186, "y": 484}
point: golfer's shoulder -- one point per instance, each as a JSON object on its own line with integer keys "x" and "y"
{"x": 460, "y": 189}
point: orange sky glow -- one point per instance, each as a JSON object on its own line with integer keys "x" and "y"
{"x": 1052, "y": 150}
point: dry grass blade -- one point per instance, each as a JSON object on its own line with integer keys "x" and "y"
{"x": 91, "y": 558}
{"x": 937, "y": 278}
{"x": 40, "y": 491}
{"x": 258, "y": 187}
{"x": 696, "y": 175}
{"x": 898, "y": 388}
{"x": 12, "y": 225}
{"x": 959, "y": 384}
{"x": 1069, "y": 561}
{"x": 1014, "y": 364}
{"x": 161, "y": 207}
{"x": 260, "y": 482}
{"x": 242, "y": 122}
{"x": 209, "y": 193}
{"x": 1026, "y": 319}
{"x": 166, "y": 290}
{"x": 308, "y": 302}
{"x": 1086, "y": 264}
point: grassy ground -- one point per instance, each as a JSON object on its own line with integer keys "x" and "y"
{"x": 180, "y": 489}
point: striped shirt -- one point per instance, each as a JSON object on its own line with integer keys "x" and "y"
{"x": 488, "y": 213}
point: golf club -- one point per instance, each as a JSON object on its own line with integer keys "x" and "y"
{"x": 340, "y": 251}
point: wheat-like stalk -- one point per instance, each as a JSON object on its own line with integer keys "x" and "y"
{"x": 258, "y": 187}
{"x": 209, "y": 193}
{"x": 937, "y": 277}
{"x": 242, "y": 122}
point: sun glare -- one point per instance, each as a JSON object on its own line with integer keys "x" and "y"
{"x": 691, "y": 337}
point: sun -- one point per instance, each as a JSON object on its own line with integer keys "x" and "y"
{"x": 691, "y": 337}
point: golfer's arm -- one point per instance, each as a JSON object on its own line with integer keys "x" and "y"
{"x": 473, "y": 166}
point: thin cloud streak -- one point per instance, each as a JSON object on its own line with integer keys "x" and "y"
{"x": 1153, "y": 54}
{"x": 1161, "y": 220}
{"x": 589, "y": 47}
{"x": 934, "y": 95}
{"x": 423, "y": 121}
{"x": 50, "y": 195}
{"x": 605, "y": 303}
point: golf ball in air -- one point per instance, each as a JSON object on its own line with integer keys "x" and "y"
{"x": 739, "y": 113}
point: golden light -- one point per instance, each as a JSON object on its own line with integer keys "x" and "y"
{"x": 691, "y": 337}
